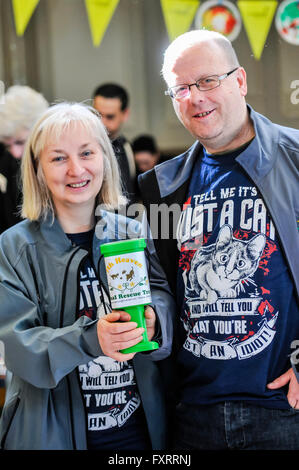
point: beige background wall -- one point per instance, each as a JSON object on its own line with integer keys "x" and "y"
{"x": 56, "y": 57}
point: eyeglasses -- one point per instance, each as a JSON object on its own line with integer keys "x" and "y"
{"x": 181, "y": 92}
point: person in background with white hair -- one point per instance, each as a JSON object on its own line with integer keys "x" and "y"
{"x": 233, "y": 263}
{"x": 71, "y": 387}
{"x": 21, "y": 108}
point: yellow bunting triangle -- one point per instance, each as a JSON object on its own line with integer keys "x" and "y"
{"x": 178, "y": 15}
{"x": 99, "y": 14}
{"x": 23, "y": 10}
{"x": 257, "y": 17}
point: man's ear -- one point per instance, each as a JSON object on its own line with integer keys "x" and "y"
{"x": 126, "y": 114}
{"x": 242, "y": 81}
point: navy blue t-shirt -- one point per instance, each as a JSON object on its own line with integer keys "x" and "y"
{"x": 115, "y": 419}
{"x": 239, "y": 315}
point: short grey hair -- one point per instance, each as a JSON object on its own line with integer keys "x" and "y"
{"x": 192, "y": 38}
{"x": 21, "y": 108}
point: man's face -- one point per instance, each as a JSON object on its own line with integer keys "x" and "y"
{"x": 112, "y": 115}
{"x": 215, "y": 117}
{"x": 146, "y": 160}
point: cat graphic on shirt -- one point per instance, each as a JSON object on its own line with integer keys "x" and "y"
{"x": 218, "y": 270}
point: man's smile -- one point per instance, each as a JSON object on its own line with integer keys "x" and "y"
{"x": 203, "y": 114}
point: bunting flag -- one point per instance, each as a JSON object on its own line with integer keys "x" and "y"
{"x": 221, "y": 16}
{"x": 99, "y": 14}
{"x": 257, "y": 17}
{"x": 287, "y": 21}
{"x": 178, "y": 15}
{"x": 23, "y": 10}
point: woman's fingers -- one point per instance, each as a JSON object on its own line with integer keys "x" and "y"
{"x": 116, "y": 332}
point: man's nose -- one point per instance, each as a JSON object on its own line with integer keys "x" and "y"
{"x": 196, "y": 94}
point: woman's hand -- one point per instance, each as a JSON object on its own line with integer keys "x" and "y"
{"x": 150, "y": 319}
{"x": 116, "y": 332}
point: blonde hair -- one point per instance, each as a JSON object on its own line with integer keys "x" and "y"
{"x": 37, "y": 201}
{"x": 21, "y": 109}
{"x": 192, "y": 38}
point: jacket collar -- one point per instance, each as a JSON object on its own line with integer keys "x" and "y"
{"x": 54, "y": 235}
{"x": 260, "y": 156}
{"x": 173, "y": 173}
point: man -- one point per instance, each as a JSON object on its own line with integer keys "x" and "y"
{"x": 112, "y": 102}
{"x": 234, "y": 264}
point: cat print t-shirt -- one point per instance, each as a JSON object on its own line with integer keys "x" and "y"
{"x": 115, "y": 419}
{"x": 238, "y": 311}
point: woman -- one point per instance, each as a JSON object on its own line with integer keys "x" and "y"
{"x": 21, "y": 109}
{"x": 71, "y": 388}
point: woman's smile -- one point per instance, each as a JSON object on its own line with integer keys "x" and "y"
{"x": 79, "y": 185}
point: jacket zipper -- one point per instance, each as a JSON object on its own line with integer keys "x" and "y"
{"x": 77, "y": 371}
{"x": 61, "y": 325}
{"x": 64, "y": 286}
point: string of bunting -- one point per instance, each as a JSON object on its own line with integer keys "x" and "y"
{"x": 218, "y": 15}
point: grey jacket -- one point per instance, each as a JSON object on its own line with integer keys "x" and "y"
{"x": 271, "y": 161}
{"x": 45, "y": 344}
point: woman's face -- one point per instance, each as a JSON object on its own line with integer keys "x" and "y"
{"x": 73, "y": 169}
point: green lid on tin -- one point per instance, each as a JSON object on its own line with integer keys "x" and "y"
{"x": 123, "y": 246}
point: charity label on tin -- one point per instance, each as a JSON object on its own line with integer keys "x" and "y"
{"x": 128, "y": 279}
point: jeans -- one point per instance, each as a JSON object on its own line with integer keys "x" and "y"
{"x": 235, "y": 426}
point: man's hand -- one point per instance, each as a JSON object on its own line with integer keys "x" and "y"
{"x": 116, "y": 331}
{"x": 293, "y": 394}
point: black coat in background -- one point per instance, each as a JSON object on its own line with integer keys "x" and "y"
{"x": 10, "y": 197}
{"x": 128, "y": 183}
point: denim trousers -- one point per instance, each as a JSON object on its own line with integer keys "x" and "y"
{"x": 235, "y": 426}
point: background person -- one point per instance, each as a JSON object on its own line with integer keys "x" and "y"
{"x": 234, "y": 264}
{"x": 112, "y": 102}
{"x": 71, "y": 388}
{"x": 21, "y": 109}
{"x": 146, "y": 152}
{"x": 146, "y": 156}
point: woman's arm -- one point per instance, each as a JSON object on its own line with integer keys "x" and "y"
{"x": 33, "y": 351}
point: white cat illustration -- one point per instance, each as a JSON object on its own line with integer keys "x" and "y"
{"x": 217, "y": 270}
